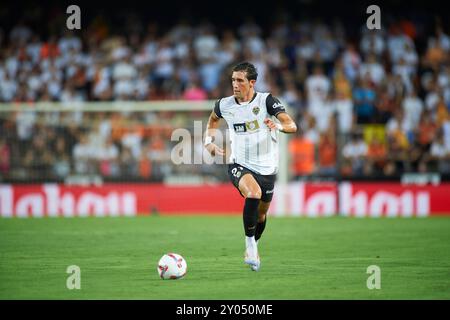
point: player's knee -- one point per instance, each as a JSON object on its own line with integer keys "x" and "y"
{"x": 254, "y": 194}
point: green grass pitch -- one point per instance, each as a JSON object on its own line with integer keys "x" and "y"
{"x": 302, "y": 258}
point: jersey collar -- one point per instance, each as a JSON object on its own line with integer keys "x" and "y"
{"x": 254, "y": 96}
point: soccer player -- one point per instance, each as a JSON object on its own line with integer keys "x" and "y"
{"x": 253, "y": 163}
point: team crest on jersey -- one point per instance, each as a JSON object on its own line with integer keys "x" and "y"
{"x": 255, "y": 110}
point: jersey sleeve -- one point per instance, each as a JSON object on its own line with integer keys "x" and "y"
{"x": 274, "y": 105}
{"x": 217, "y": 109}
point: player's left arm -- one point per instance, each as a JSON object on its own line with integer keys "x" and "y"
{"x": 275, "y": 108}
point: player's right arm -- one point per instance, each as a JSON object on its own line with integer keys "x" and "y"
{"x": 211, "y": 127}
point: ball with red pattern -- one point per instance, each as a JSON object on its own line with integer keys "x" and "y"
{"x": 172, "y": 266}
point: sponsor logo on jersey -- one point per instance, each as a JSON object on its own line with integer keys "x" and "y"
{"x": 269, "y": 191}
{"x": 277, "y": 105}
{"x": 246, "y": 126}
{"x": 255, "y": 110}
{"x": 240, "y": 127}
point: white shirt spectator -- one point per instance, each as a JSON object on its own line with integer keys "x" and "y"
{"x": 12, "y": 66}
{"x": 446, "y": 133}
{"x": 375, "y": 70}
{"x": 406, "y": 72}
{"x": 323, "y": 115}
{"x": 327, "y": 47}
{"x": 181, "y": 49}
{"x": 120, "y": 53}
{"x": 82, "y": 152}
{"x": 444, "y": 78}
{"x": 431, "y": 100}
{"x": 205, "y": 45}
{"x": 164, "y": 64}
{"x": 34, "y": 51}
{"x": 317, "y": 87}
{"x": 444, "y": 41}
{"x": 395, "y": 124}
{"x": 210, "y": 75}
{"x": 101, "y": 86}
{"x": 8, "y": 89}
{"x": 68, "y": 43}
{"x": 104, "y": 129}
{"x": 352, "y": 63}
{"x": 397, "y": 44}
{"x": 439, "y": 149}
{"x": 132, "y": 140}
{"x": 54, "y": 88}
{"x": 410, "y": 56}
{"x": 25, "y": 123}
{"x": 261, "y": 85}
{"x": 273, "y": 54}
{"x": 34, "y": 82}
{"x": 108, "y": 151}
{"x": 124, "y": 70}
{"x": 123, "y": 88}
{"x": 344, "y": 109}
{"x": 141, "y": 86}
{"x": 255, "y": 44}
{"x": 355, "y": 149}
{"x": 372, "y": 43}
{"x": 305, "y": 49}
{"x": 412, "y": 109}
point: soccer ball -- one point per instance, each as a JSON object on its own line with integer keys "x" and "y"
{"x": 172, "y": 266}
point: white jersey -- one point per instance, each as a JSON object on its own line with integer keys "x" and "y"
{"x": 253, "y": 144}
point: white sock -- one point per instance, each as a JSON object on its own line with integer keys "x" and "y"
{"x": 250, "y": 242}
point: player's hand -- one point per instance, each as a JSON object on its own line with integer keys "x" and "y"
{"x": 214, "y": 149}
{"x": 270, "y": 124}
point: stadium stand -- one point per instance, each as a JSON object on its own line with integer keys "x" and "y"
{"x": 375, "y": 105}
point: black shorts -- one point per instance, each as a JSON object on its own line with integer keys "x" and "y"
{"x": 265, "y": 182}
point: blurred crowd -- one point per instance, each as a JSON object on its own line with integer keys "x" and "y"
{"x": 375, "y": 105}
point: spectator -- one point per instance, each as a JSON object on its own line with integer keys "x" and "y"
{"x": 355, "y": 152}
{"x": 376, "y": 155}
{"x": 194, "y": 92}
{"x": 412, "y": 109}
{"x": 390, "y": 87}
{"x": 364, "y": 98}
{"x": 327, "y": 153}
{"x": 303, "y": 155}
{"x": 440, "y": 154}
{"x": 108, "y": 157}
{"x": 426, "y": 131}
{"x": 5, "y": 158}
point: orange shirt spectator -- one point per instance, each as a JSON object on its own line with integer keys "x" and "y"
{"x": 408, "y": 28}
{"x": 302, "y": 152}
{"x": 426, "y": 131}
{"x": 327, "y": 151}
{"x": 441, "y": 112}
{"x": 377, "y": 152}
{"x": 5, "y": 157}
{"x": 435, "y": 54}
{"x": 342, "y": 85}
{"x": 49, "y": 50}
{"x": 145, "y": 167}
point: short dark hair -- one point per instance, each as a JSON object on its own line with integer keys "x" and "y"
{"x": 250, "y": 69}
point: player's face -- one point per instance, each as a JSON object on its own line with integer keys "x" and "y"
{"x": 241, "y": 85}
